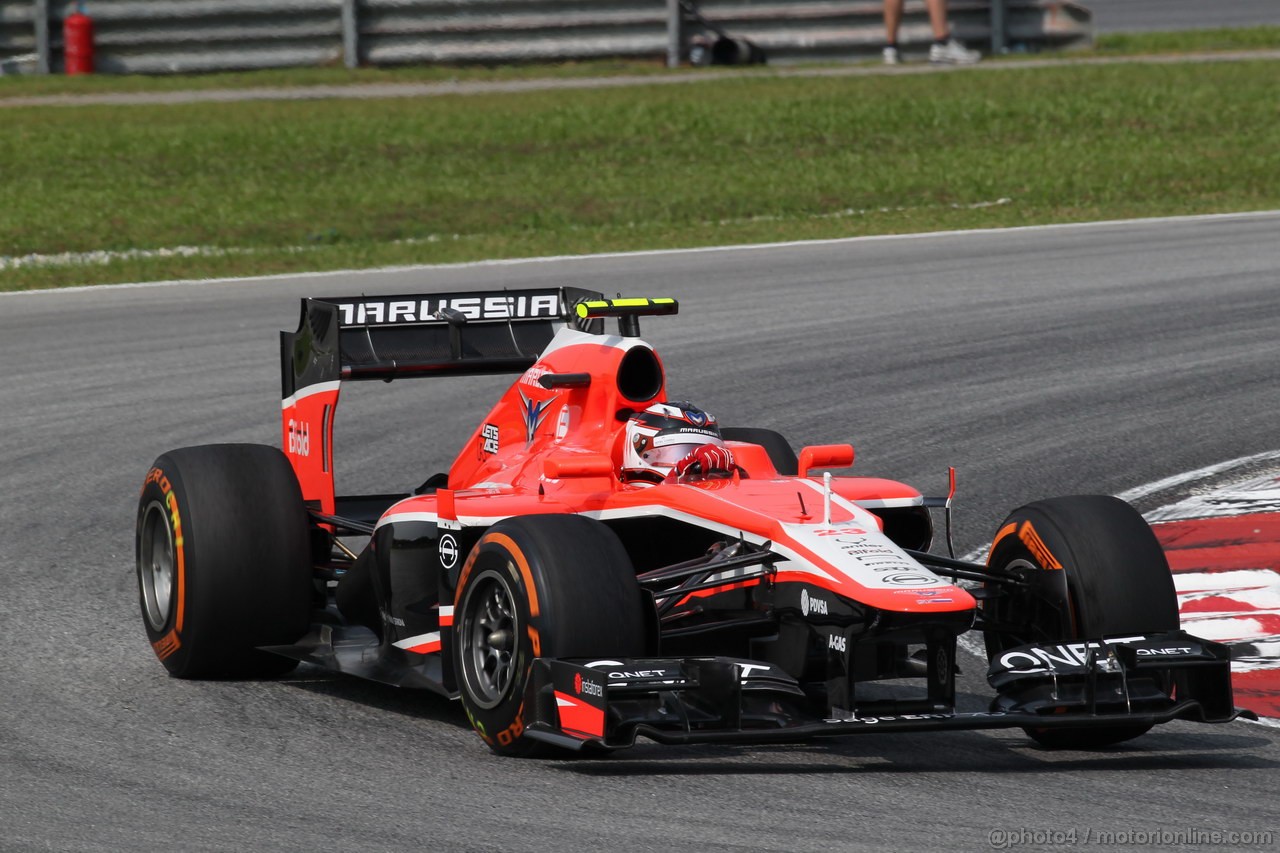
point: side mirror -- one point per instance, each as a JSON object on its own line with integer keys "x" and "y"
{"x": 825, "y": 456}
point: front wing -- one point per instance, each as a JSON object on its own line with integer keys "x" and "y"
{"x": 608, "y": 704}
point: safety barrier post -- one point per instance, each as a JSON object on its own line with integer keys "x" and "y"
{"x": 350, "y": 34}
{"x": 43, "y": 51}
{"x": 675, "y": 34}
{"x": 997, "y": 27}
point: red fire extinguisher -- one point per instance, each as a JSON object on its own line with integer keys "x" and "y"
{"x": 77, "y": 42}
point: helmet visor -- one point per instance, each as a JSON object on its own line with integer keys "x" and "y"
{"x": 669, "y": 454}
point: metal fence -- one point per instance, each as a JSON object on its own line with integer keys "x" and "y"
{"x": 168, "y": 36}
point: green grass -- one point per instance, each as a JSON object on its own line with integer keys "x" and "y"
{"x": 1248, "y": 38}
{"x": 1189, "y": 41}
{"x": 332, "y": 184}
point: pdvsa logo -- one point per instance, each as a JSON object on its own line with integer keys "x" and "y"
{"x": 812, "y": 604}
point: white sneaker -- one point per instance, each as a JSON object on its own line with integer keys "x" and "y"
{"x": 890, "y": 55}
{"x": 953, "y": 53}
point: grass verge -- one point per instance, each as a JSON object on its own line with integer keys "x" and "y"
{"x": 1115, "y": 44}
{"x": 269, "y": 187}
{"x": 1189, "y": 41}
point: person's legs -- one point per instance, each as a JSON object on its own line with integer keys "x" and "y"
{"x": 893, "y": 18}
{"x": 945, "y": 49}
{"x": 937, "y": 18}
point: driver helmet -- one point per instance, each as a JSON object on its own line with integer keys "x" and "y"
{"x": 662, "y": 435}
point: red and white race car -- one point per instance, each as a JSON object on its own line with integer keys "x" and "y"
{"x": 601, "y": 562}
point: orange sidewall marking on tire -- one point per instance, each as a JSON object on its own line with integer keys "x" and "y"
{"x": 523, "y": 565}
{"x": 166, "y": 645}
{"x": 1004, "y": 531}
{"x": 157, "y": 476}
{"x": 1036, "y": 546}
{"x": 179, "y": 555}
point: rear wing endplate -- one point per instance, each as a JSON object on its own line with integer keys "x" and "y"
{"x": 389, "y": 337}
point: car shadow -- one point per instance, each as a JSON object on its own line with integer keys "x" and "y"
{"x": 1177, "y": 746}
{"x": 937, "y": 752}
{"x": 407, "y": 702}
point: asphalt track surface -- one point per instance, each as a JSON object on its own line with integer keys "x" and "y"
{"x": 1039, "y": 362}
{"x": 1113, "y": 16}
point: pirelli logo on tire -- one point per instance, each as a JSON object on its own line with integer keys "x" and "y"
{"x": 167, "y": 645}
{"x": 1036, "y": 546}
{"x": 171, "y": 641}
{"x": 1031, "y": 540}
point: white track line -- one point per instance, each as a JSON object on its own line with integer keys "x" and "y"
{"x": 1191, "y": 476}
{"x": 104, "y": 256}
{"x": 100, "y": 257}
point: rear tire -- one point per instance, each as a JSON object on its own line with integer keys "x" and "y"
{"x": 223, "y": 560}
{"x": 1114, "y": 578}
{"x": 556, "y": 586}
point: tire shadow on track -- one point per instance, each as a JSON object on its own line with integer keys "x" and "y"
{"x": 420, "y": 705}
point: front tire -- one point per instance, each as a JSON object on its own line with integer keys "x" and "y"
{"x": 1096, "y": 569}
{"x": 223, "y": 560}
{"x": 556, "y": 586}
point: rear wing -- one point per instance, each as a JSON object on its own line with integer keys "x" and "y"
{"x": 458, "y": 334}
{"x": 352, "y": 338}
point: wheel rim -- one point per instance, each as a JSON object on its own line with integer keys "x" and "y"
{"x": 1031, "y": 607}
{"x": 156, "y": 567}
{"x": 490, "y": 628}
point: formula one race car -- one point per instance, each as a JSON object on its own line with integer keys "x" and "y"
{"x": 601, "y": 562}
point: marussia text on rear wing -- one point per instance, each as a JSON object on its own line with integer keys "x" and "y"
{"x": 388, "y": 337}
